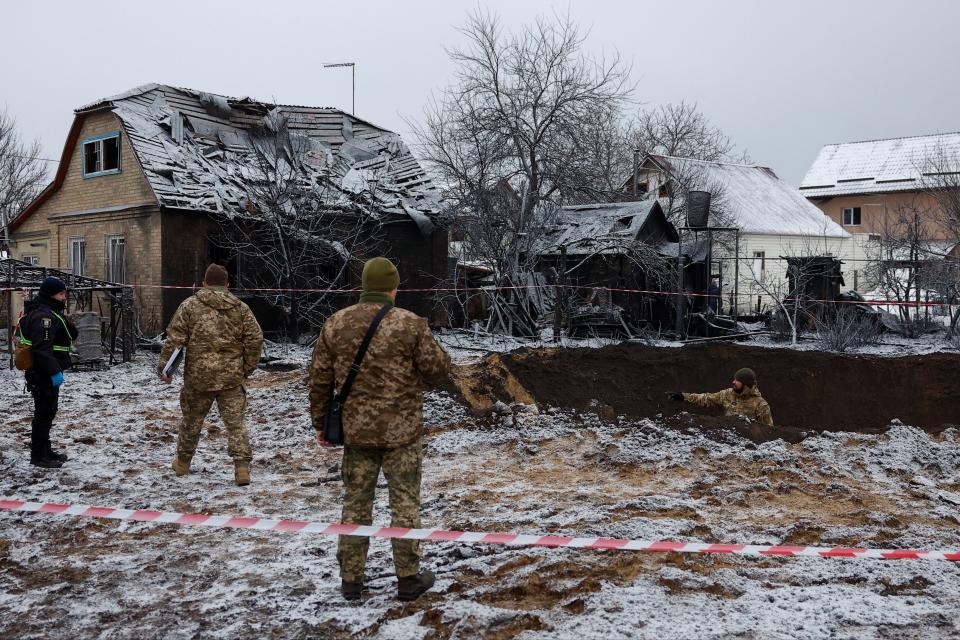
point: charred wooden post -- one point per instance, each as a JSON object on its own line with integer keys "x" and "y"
{"x": 679, "y": 292}
{"x": 560, "y": 296}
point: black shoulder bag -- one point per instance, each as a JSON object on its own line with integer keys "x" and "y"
{"x": 333, "y": 422}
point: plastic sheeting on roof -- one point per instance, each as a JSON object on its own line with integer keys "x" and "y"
{"x": 878, "y": 166}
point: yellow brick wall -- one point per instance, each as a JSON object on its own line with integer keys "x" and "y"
{"x": 129, "y": 187}
{"x": 138, "y": 221}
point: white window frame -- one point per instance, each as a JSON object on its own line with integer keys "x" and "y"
{"x": 851, "y": 210}
{"x": 74, "y": 244}
{"x": 97, "y": 143}
{"x": 112, "y": 242}
{"x": 760, "y": 256}
{"x": 30, "y": 258}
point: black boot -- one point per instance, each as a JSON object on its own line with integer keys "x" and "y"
{"x": 59, "y": 457}
{"x": 412, "y": 587}
{"x": 40, "y": 452}
{"x": 351, "y": 590}
{"x": 40, "y": 458}
{"x": 45, "y": 463}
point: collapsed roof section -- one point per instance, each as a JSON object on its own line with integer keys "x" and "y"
{"x": 198, "y": 154}
{"x": 607, "y": 228}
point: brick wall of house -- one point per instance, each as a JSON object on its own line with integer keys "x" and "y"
{"x": 94, "y": 209}
{"x": 186, "y": 254}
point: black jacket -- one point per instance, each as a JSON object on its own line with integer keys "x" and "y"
{"x": 49, "y": 333}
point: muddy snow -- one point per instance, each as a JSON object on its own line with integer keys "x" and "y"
{"x": 555, "y": 467}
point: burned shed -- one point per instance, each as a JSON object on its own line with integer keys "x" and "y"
{"x": 619, "y": 255}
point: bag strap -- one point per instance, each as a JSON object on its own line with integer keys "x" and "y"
{"x": 341, "y": 396}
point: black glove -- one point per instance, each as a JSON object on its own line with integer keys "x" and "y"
{"x": 676, "y": 397}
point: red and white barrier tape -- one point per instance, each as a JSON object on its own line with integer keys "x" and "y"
{"x": 478, "y": 290}
{"x": 441, "y": 535}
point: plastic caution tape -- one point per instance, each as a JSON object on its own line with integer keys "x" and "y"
{"x": 441, "y": 535}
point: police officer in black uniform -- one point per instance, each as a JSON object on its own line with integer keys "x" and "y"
{"x": 49, "y": 334}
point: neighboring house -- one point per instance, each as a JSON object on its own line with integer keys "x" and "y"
{"x": 869, "y": 187}
{"x": 774, "y": 221}
{"x": 621, "y": 246}
{"x": 145, "y": 176}
{"x": 861, "y": 185}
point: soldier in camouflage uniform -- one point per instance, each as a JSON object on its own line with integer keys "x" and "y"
{"x": 223, "y": 342}
{"x": 741, "y": 399}
{"x": 382, "y": 419}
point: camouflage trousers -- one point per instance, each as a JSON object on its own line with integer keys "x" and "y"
{"x": 361, "y": 469}
{"x": 195, "y": 405}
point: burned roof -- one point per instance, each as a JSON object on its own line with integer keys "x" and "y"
{"x": 880, "y": 166}
{"x": 599, "y": 228}
{"x": 754, "y": 198}
{"x": 196, "y": 151}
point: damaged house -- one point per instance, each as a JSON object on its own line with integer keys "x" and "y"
{"x": 151, "y": 181}
{"x": 603, "y": 249}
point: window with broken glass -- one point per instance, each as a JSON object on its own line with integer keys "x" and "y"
{"x": 101, "y": 155}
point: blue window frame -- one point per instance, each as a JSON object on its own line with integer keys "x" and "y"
{"x": 100, "y": 155}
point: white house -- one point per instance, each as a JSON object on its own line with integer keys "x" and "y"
{"x": 774, "y": 221}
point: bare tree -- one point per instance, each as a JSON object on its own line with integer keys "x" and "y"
{"x": 941, "y": 182}
{"x": 683, "y": 131}
{"x": 791, "y": 303}
{"x": 900, "y": 255}
{"x": 522, "y": 109}
{"x": 301, "y": 233}
{"x": 22, "y": 171}
{"x": 797, "y": 299}
{"x": 843, "y": 328}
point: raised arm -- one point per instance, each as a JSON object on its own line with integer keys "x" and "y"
{"x": 709, "y": 400}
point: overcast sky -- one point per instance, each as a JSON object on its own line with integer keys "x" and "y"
{"x": 782, "y": 79}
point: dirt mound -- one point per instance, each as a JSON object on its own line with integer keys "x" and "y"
{"x": 720, "y": 427}
{"x": 805, "y": 389}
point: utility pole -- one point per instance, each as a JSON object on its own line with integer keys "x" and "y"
{"x": 353, "y": 82}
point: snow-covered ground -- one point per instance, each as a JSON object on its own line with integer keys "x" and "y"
{"x": 465, "y": 346}
{"x": 550, "y": 471}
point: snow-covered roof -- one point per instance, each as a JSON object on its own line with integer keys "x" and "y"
{"x": 601, "y": 228}
{"x": 877, "y": 166}
{"x": 754, "y": 199}
{"x": 197, "y": 154}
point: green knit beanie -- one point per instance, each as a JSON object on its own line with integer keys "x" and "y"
{"x": 746, "y": 376}
{"x": 380, "y": 275}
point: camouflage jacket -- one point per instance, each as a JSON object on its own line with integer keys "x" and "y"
{"x": 749, "y": 403}
{"x": 385, "y": 405}
{"x": 221, "y": 336}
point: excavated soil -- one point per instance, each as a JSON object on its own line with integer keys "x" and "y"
{"x": 807, "y": 390}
